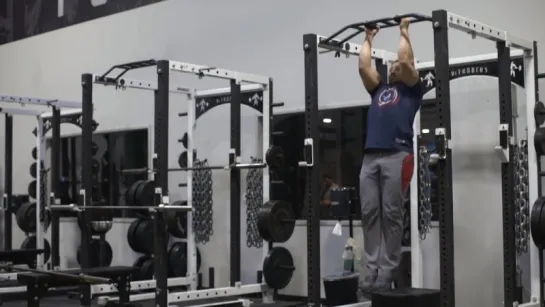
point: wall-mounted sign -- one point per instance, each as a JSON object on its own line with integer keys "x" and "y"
{"x": 26, "y": 18}
{"x": 482, "y": 68}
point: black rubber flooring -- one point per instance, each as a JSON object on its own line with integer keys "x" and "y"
{"x": 63, "y": 301}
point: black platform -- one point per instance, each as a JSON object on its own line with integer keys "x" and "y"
{"x": 407, "y": 297}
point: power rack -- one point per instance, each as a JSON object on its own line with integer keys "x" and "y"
{"x": 162, "y": 88}
{"x": 441, "y": 21}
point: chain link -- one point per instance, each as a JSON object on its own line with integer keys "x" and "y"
{"x": 522, "y": 208}
{"x": 254, "y": 201}
{"x": 202, "y": 202}
{"x": 424, "y": 186}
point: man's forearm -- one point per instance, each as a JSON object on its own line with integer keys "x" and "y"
{"x": 365, "y": 54}
{"x": 405, "y": 50}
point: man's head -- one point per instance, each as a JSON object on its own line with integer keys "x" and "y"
{"x": 394, "y": 74}
{"x": 328, "y": 180}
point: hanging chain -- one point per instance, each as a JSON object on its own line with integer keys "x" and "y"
{"x": 202, "y": 202}
{"x": 424, "y": 201}
{"x": 254, "y": 201}
{"x": 522, "y": 208}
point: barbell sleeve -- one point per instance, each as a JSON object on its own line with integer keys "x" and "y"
{"x": 136, "y": 171}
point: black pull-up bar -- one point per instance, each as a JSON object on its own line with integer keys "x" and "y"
{"x": 125, "y": 68}
{"x": 372, "y": 24}
{"x": 540, "y": 76}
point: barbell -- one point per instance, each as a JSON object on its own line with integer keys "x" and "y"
{"x": 145, "y": 170}
{"x": 81, "y": 277}
{"x": 76, "y": 208}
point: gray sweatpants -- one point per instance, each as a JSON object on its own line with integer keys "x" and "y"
{"x": 384, "y": 182}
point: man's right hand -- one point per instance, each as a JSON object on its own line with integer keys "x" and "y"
{"x": 371, "y": 32}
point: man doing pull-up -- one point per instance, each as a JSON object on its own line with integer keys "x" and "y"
{"x": 387, "y": 165}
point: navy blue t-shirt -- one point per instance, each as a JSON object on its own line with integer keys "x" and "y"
{"x": 391, "y": 115}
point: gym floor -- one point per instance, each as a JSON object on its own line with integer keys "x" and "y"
{"x": 63, "y": 301}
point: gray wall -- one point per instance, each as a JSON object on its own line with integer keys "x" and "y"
{"x": 258, "y": 37}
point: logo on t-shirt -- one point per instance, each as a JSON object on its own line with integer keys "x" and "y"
{"x": 388, "y": 96}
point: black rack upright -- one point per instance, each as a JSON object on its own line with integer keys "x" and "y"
{"x": 8, "y": 185}
{"x": 55, "y": 185}
{"x": 507, "y": 169}
{"x": 444, "y": 167}
{"x": 161, "y": 180}
{"x": 235, "y": 184}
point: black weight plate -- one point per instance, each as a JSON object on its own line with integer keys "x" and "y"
{"x": 539, "y": 141}
{"x": 541, "y": 229}
{"x": 184, "y": 140}
{"x": 138, "y": 265}
{"x": 26, "y": 217}
{"x": 276, "y": 221}
{"x": 535, "y": 221}
{"x": 539, "y": 113}
{"x": 182, "y": 159}
{"x": 275, "y": 157}
{"x": 30, "y": 243}
{"x": 145, "y": 193}
{"x": 34, "y": 153}
{"x": 177, "y": 221}
{"x": 95, "y": 247}
{"x": 144, "y": 237}
{"x": 147, "y": 269}
{"x": 131, "y": 192}
{"x": 278, "y": 268}
{"x": 32, "y": 189}
{"x": 16, "y": 201}
{"x": 131, "y": 233}
{"x": 33, "y": 169}
{"x": 177, "y": 259}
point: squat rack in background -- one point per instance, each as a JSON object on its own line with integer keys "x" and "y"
{"x": 160, "y": 168}
{"x": 43, "y": 120}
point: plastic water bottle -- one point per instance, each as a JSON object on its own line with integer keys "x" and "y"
{"x": 348, "y": 260}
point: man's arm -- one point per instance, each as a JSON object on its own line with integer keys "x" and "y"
{"x": 368, "y": 74}
{"x": 405, "y": 56}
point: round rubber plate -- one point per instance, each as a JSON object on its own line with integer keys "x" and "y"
{"x": 95, "y": 247}
{"x": 147, "y": 269}
{"x": 541, "y": 230}
{"x": 263, "y": 222}
{"x": 282, "y": 221}
{"x": 276, "y": 221}
{"x": 145, "y": 193}
{"x": 144, "y": 237}
{"x": 32, "y": 189}
{"x": 177, "y": 259}
{"x": 30, "y": 243}
{"x": 535, "y": 222}
{"x": 26, "y": 217}
{"x": 130, "y": 195}
{"x": 177, "y": 221}
{"x": 278, "y": 268}
{"x": 131, "y": 232}
{"x": 138, "y": 265}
